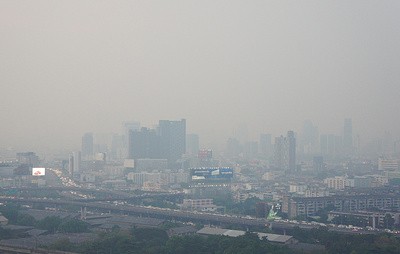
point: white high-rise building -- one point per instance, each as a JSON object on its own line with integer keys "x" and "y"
{"x": 77, "y": 162}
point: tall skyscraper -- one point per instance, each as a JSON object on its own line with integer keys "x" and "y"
{"x": 117, "y": 147}
{"x": 348, "y": 137}
{"x": 167, "y": 142}
{"x": 127, "y": 128}
{"x": 308, "y": 143}
{"x": 331, "y": 145}
{"x": 250, "y": 149}
{"x": 285, "y": 152}
{"x": 29, "y": 158}
{"x": 192, "y": 144}
{"x": 266, "y": 145}
{"x": 233, "y": 147}
{"x": 173, "y": 139}
{"x": 241, "y": 133}
{"x": 87, "y": 146}
{"x": 324, "y": 144}
{"x": 281, "y": 153}
{"x": 291, "y": 140}
{"x": 77, "y": 162}
{"x": 144, "y": 144}
{"x": 71, "y": 164}
{"x": 318, "y": 163}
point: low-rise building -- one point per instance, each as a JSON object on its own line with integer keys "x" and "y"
{"x": 3, "y": 220}
{"x": 373, "y": 219}
{"x": 337, "y": 182}
{"x": 297, "y": 188}
{"x": 274, "y": 238}
{"x": 114, "y": 184}
{"x": 297, "y": 206}
{"x": 195, "y": 204}
{"x": 388, "y": 164}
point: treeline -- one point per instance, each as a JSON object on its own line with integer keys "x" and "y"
{"x": 153, "y": 240}
{"x": 156, "y": 241}
{"x": 348, "y": 243}
{"x": 52, "y": 223}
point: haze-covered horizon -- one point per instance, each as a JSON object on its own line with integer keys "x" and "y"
{"x": 70, "y": 67}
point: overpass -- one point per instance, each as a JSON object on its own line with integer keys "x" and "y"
{"x": 167, "y": 214}
{"x": 111, "y": 194}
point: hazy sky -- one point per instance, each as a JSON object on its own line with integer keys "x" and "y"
{"x": 68, "y": 67}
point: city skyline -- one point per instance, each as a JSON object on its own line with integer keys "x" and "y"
{"x": 159, "y": 126}
{"x": 101, "y": 142}
{"x": 70, "y": 68}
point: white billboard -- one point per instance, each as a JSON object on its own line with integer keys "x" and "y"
{"x": 38, "y": 171}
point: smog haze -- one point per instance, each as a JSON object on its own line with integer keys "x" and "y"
{"x": 69, "y": 67}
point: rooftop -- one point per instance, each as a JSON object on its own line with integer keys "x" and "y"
{"x": 46, "y": 240}
{"x": 235, "y": 233}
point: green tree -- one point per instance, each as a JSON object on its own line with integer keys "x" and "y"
{"x": 50, "y": 223}
{"x": 63, "y": 245}
{"x": 10, "y": 211}
{"x": 149, "y": 237}
{"x": 6, "y": 233}
{"x": 388, "y": 221}
{"x": 115, "y": 242}
{"x": 25, "y": 220}
{"x": 73, "y": 226}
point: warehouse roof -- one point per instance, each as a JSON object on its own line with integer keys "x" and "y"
{"x": 235, "y": 233}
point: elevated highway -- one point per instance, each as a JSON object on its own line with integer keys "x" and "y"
{"x": 168, "y": 214}
{"x": 111, "y": 195}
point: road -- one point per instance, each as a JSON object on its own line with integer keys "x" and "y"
{"x": 148, "y": 211}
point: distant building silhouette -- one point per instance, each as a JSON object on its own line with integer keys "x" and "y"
{"x": 318, "y": 163}
{"x": 331, "y": 145}
{"x": 74, "y": 164}
{"x": 71, "y": 164}
{"x": 167, "y": 142}
{"x": 127, "y": 128}
{"x": 309, "y": 139}
{"x": 173, "y": 139}
{"x": 292, "y": 150}
{"x": 192, "y": 144}
{"x": 233, "y": 148}
{"x": 348, "y": 137}
{"x": 87, "y": 146}
{"x": 144, "y": 144}
{"x": 250, "y": 149}
{"x": 205, "y": 157}
{"x": 29, "y": 158}
{"x": 285, "y": 152}
{"x": 266, "y": 145}
{"x": 117, "y": 147}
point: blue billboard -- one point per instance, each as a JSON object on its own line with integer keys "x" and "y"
{"x": 211, "y": 173}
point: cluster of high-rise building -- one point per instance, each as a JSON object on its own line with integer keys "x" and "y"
{"x": 332, "y": 145}
{"x": 285, "y": 152}
{"x": 168, "y": 144}
{"x": 167, "y": 141}
{"x": 166, "y": 158}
